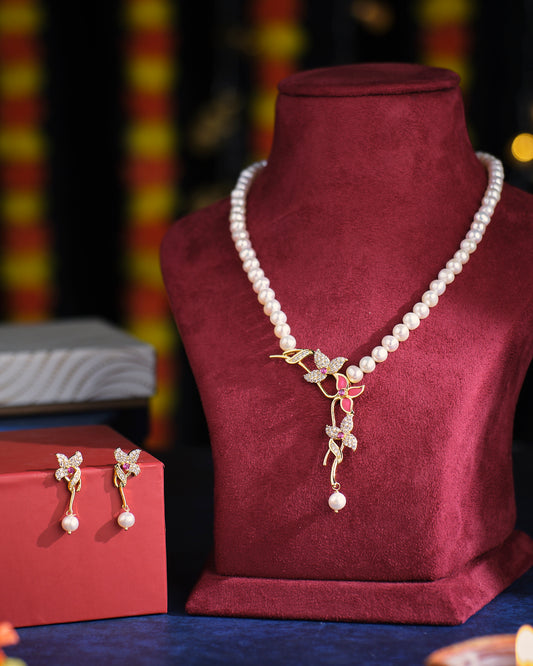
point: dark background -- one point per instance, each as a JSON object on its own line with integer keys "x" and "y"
{"x": 219, "y": 70}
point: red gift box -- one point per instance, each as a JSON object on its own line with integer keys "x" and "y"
{"x": 100, "y": 571}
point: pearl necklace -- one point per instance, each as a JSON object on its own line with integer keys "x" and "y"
{"x": 341, "y": 436}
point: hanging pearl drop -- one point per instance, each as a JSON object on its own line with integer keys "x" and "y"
{"x": 337, "y": 501}
{"x": 126, "y": 520}
{"x": 70, "y": 523}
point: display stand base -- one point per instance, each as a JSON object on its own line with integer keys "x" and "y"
{"x": 447, "y": 601}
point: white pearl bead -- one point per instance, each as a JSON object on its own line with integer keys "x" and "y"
{"x": 489, "y": 201}
{"x": 266, "y": 295}
{"x": 447, "y": 275}
{"x": 240, "y": 234}
{"x": 281, "y": 330}
{"x": 287, "y": 343}
{"x": 411, "y": 320}
{"x": 126, "y": 520}
{"x": 271, "y": 306}
{"x": 455, "y": 266}
{"x": 468, "y": 245}
{"x": 462, "y": 255}
{"x": 488, "y": 210}
{"x": 474, "y": 235}
{"x": 250, "y": 264}
{"x": 278, "y": 317}
{"x": 256, "y": 274}
{"x": 390, "y": 343}
{"x": 481, "y": 217}
{"x": 337, "y": 501}
{"x": 246, "y": 254}
{"x": 379, "y": 354}
{"x": 478, "y": 226}
{"x": 261, "y": 283}
{"x": 438, "y": 286}
{"x": 400, "y": 332}
{"x": 367, "y": 364}
{"x": 354, "y": 374}
{"x": 430, "y": 298}
{"x": 242, "y": 245}
{"x": 70, "y": 523}
{"x": 421, "y": 310}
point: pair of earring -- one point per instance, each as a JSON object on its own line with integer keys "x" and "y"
{"x": 69, "y": 469}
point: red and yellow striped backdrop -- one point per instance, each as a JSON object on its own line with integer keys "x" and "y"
{"x": 26, "y": 266}
{"x": 446, "y": 35}
{"x": 150, "y": 176}
{"x": 279, "y": 41}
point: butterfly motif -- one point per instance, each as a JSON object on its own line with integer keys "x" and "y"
{"x": 347, "y": 393}
{"x": 126, "y": 464}
{"x": 344, "y": 432}
{"x": 69, "y": 468}
{"x": 324, "y": 366}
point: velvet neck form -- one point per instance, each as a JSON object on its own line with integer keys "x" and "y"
{"x": 371, "y": 142}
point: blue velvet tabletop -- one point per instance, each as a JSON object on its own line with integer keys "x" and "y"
{"x": 177, "y": 638}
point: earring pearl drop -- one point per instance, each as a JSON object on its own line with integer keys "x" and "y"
{"x": 126, "y": 520}
{"x": 70, "y": 523}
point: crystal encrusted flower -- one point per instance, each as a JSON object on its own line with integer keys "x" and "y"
{"x": 344, "y": 432}
{"x": 126, "y": 464}
{"x": 69, "y": 468}
{"x": 324, "y": 366}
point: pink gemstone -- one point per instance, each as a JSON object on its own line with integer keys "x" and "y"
{"x": 324, "y": 371}
{"x": 126, "y": 467}
{"x": 342, "y": 392}
{"x": 71, "y": 470}
{"x": 341, "y": 435}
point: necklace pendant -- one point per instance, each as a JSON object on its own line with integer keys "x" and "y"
{"x": 340, "y": 437}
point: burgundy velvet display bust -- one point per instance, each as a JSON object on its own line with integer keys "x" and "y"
{"x": 370, "y": 186}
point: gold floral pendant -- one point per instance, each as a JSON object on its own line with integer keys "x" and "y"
{"x": 340, "y": 436}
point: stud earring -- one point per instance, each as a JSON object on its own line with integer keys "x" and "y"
{"x": 125, "y": 466}
{"x": 69, "y": 469}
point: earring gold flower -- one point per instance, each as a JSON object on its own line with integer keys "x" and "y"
{"x": 125, "y": 466}
{"x": 69, "y": 469}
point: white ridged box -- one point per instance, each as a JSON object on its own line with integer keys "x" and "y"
{"x": 70, "y": 363}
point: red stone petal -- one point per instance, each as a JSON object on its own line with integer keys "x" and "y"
{"x": 355, "y": 391}
{"x": 347, "y": 405}
{"x": 342, "y": 382}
